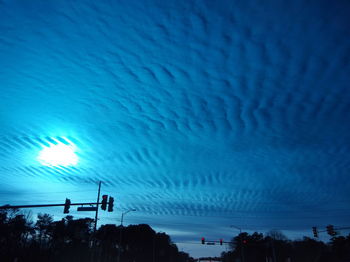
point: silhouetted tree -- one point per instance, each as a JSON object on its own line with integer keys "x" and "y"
{"x": 44, "y": 227}
{"x": 139, "y": 243}
{"x": 308, "y": 249}
{"x": 14, "y": 232}
{"x": 276, "y": 235}
{"x": 276, "y": 247}
{"x": 107, "y": 238}
{"x": 340, "y": 247}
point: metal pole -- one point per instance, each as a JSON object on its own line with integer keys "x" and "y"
{"x": 242, "y": 248}
{"x": 46, "y": 205}
{"x": 120, "y": 237}
{"x": 98, "y": 200}
{"x": 121, "y": 229}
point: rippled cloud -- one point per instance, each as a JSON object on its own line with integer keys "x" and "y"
{"x": 234, "y": 111}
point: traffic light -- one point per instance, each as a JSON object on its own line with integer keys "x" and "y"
{"x": 110, "y": 204}
{"x": 203, "y": 240}
{"x": 104, "y": 202}
{"x": 330, "y": 230}
{"x": 245, "y": 242}
{"x": 220, "y": 241}
{"x": 66, "y": 206}
{"x": 314, "y": 230}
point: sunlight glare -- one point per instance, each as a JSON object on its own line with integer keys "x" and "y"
{"x": 58, "y": 155}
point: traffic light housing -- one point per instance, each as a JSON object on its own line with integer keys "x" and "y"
{"x": 66, "y": 206}
{"x": 104, "y": 202}
{"x": 220, "y": 241}
{"x": 110, "y": 204}
{"x": 314, "y": 231}
{"x": 203, "y": 240}
{"x": 330, "y": 230}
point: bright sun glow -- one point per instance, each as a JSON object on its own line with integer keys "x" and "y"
{"x": 58, "y": 155}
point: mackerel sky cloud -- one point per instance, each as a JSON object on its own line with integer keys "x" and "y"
{"x": 199, "y": 114}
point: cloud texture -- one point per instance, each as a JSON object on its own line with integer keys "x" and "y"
{"x": 221, "y": 113}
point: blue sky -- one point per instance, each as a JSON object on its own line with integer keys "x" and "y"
{"x": 199, "y": 114}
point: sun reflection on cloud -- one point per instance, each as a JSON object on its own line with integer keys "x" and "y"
{"x": 58, "y": 155}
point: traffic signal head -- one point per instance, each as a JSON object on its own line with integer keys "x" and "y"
{"x": 203, "y": 240}
{"x": 244, "y": 241}
{"x": 314, "y": 231}
{"x": 66, "y": 206}
{"x": 110, "y": 204}
{"x": 221, "y": 241}
{"x": 104, "y": 202}
{"x": 330, "y": 230}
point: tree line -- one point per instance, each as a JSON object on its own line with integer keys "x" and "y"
{"x": 71, "y": 239}
{"x": 276, "y": 247}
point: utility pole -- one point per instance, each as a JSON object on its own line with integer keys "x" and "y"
{"x": 98, "y": 201}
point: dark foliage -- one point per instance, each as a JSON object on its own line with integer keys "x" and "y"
{"x": 276, "y": 247}
{"x": 73, "y": 240}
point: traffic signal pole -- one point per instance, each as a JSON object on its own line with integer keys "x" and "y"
{"x": 330, "y": 229}
{"x": 68, "y": 203}
{"x": 98, "y": 200}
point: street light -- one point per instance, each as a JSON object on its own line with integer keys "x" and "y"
{"x": 124, "y": 213}
{"x": 121, "y": 229}
{"x": 240, "y": 232}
